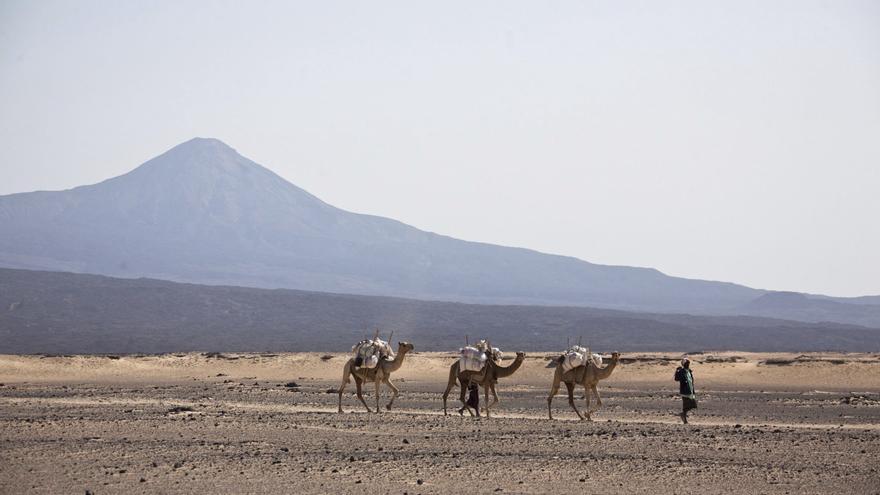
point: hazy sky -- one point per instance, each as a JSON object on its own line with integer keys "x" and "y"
{"x": 735, "y": 141}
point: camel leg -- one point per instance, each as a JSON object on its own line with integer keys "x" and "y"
{"x": 465, "y": 385}
{"x": 345, "y": 380}
{"x": 449, "y": 385}
{"x": 598, "y": 399}
{"x": 378, "y": 387}
{"x": 486, "y": 394}
{"x": 394, "y": 392}
{"x": 570, "y": 388}
{"x": 588, "y": 417}
{"x": 476, "y": 410}
{"x": 495, "y": 399}
{"x": 360, "y": 394}
{"x": 554, "y": 389}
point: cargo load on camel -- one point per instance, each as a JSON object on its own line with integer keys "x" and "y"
{"x": 474, "y": 358}
{"x": 576, "y": 356}
{"x": 368, "y": 353}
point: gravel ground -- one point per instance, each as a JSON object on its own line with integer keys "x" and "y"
{"x": 216, "y": 434}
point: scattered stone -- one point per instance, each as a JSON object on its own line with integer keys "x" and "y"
{"x": 291, "y": 385}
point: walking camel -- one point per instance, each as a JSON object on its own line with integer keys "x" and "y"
{"x": 486, "y": 378}
{"x": 587, "y": 375}
{"x": 378, "y": 375}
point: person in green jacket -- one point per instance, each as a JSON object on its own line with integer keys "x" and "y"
{"x": 685, "y": 378}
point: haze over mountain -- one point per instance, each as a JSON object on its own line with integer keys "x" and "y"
{"x": 203, "y": 213}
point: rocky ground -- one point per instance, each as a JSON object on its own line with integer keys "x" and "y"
{"x": 266, "y": 423}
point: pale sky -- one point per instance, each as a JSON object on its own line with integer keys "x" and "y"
{"x": 735, "y": 141}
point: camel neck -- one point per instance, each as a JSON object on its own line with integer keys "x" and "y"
{"x": 505, "y": 371}
{"x": 397, "y": 362}
{"x": 603, "y": 373}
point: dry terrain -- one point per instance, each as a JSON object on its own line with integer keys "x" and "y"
{"x": 257, "y": 423}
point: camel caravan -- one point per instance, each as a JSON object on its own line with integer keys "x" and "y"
{"x": 477, "y": 367}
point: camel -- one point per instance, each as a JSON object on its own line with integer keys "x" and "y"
{"x": 487, "y": 378}
{"x": 587, "y": 375}
{"x": 378, "y": 375}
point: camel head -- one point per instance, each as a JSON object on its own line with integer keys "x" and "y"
{"x": 615, "y": 356}
{"x": 520, "y": 356}
{"x": 404, "y": 347}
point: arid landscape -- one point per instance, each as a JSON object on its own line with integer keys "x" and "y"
{"x": 270, "y": 247}
{"x": 767, "y": 423}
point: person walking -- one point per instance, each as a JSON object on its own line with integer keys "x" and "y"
{"x": 685, "y": 378}
{"x": 473, "y": 400}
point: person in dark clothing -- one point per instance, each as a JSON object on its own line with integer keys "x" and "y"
{"x": 685, "y": 378}
{"x": 473, "y": 400}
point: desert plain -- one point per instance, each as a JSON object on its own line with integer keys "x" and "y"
{"x": 267, "y": 423}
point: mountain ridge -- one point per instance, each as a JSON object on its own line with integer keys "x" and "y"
{"x": 53, "y": 312}
{"x": 202, "y": 213}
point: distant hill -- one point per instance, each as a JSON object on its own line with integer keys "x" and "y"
{"x": 796, "y": 306}
{"x": 202, "y": 213}
{"x": 47, "y": 312}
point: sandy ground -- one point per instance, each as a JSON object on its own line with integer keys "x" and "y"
{"x": 767, "y": 423}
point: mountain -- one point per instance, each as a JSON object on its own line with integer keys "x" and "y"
{"x": 796, "y": 306}
{"x": 202, "y": 213}
{"x": 64, "y": 313}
